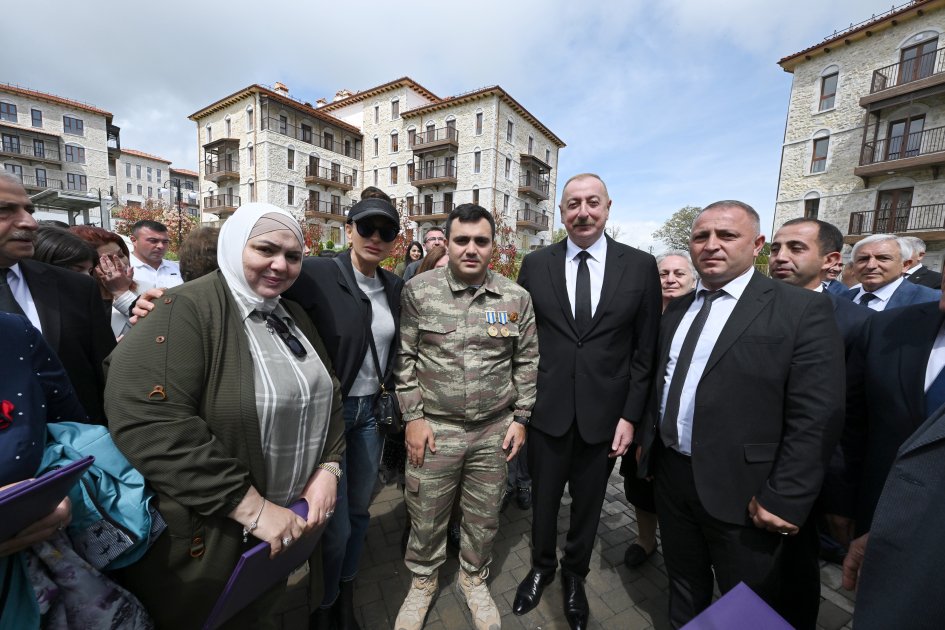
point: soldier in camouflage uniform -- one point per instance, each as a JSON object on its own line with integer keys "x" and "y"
{"x": 465, "y": 378}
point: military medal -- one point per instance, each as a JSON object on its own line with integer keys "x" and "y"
{"x": 513, "y": 316}
{"x": 491, "y": 318}
{"x": 503, "y": 319}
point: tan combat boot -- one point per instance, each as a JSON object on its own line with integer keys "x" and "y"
{"x": 473, "y": 587}
{"x": 414, "y": 609}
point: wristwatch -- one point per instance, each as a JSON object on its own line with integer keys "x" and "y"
{"x": 522, "y": 420}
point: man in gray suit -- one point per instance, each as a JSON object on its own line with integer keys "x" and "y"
{"x": 895, "y": 563}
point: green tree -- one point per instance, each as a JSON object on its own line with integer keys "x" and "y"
{"x": 675, "y": 231}
{"x": 559, "y": 235}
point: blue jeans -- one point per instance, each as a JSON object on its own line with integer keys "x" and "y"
{"x": 343, "y": 539}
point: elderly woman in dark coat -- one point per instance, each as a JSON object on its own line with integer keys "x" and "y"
{"x": 224, "y": 399}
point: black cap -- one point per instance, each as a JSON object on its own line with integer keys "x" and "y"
{"x": 373, "y": 207}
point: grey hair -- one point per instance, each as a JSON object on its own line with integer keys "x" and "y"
{"x": 918, "y": 245}
{"x": 10, "y": 178}
{"x": 681, "y": 254}
{"x": 880, "y": 238}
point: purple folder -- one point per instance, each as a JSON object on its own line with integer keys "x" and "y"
{"x": 27, "y": 502}
{"x": 256, "y": 573}
{"x": 739, "y": 608}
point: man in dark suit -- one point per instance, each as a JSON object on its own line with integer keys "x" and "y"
{"x": 878, "y": 264}
{"x": 916, "y": 272}
{"x": 597, "y": 305}
{"x": 802, "y": 253}
{"x": 904, "y": 547}
{"x": 747, "y": 407}
{"x": 65, "y": 306}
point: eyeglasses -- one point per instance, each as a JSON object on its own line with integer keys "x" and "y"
{"x": 278, "y": 327}
{"x": 366, "y": 230}
{"x": 434, "y": 239}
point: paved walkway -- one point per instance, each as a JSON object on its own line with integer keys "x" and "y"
{"x": 619, "y": 597}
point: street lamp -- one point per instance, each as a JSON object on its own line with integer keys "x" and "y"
{"x": 180, "y": 206}
{"x": 106, "y": 215}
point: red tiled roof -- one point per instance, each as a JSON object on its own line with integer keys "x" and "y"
{"x": 482, "y": 93}
{"x": 363, "y": 94}
{"x": 147, "y": 156}
{"x": 862, "y": 30}
{"x": 22, "y": 91}
{"x": 184, "y": 171}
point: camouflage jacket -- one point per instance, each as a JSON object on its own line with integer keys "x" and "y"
{"x": 464, "y": 356}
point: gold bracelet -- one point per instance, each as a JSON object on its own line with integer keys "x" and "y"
{"x": 252, "y": 526}
{"x": 331, "y": 467}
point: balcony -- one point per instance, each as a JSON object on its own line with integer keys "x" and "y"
{"x": 26, "y": 149}
{"x": 36, "y": 184}
{"x": 113, "y": 140}
{"x": 912, "y": 151}
{"x": 922, "y": 221}
{"x": 541, "y": 166}
{"x": 221, "y": 204}
{"x": 310, "y": 136}
{"x": 223, "y": 169}
{"x": 430, "y": 139}
{"x": 436, "y": 211}
{"x": 433, "y": 175}
{"x": 923, "y": 73}
{"x": 328, "y": 177}
{"x": 532, "y": 219}
{"x": 536, "y": 186}
{"x": 327, "y": 210}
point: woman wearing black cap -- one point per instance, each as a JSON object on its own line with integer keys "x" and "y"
{"x": 352, "y": 301}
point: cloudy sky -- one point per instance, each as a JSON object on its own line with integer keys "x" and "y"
{"x": 674, "y": 103}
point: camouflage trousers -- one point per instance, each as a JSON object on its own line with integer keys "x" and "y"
{"x": 468, "y": 460}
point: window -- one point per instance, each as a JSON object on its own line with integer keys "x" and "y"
{"x": 291, "y": 195}
{"x": 410, "y": 171}
{"x": 306, "y": 133}
{"x": 509, "y": 131}
{"x": 251, "y": 154}
{"x": 531, "y": 144}
{"x": 128, "y": 170}
{"x": 128, "y": 187}
{"x": 188, "y": 185}
{"x": 138, "y": 171}
{"x": 477, "y": 161}
{"x": 150, "y": 192}
{"x": 250, "y": 119}
{"x": 377, "y": 114}
{"x": 150, "y": 174}
{"x": 508, "y": 168}
{"x": 329, "y": 141}
{"x": 475, "y": 196}
{"x": 828, "y": 91}
{"x": 904, "y": 138}
{"x": 159, "y": 174}
{"x": 411, "y": 138}
{"x": 75, "y": 154}
{"x": 73, "y": 126}
{"x": 393, "y": 174}
{"x": 393, "y": 201}
{"x": 75, "y": 181}
{"x": 375, "y": 177}
{"x": 547, "y": 156}
{"x": 818, "y": 162}
{"x": 41, "y": 177}
{"x": 14, "y": 169}
{"x": 393, "y": 142}
{"x": 394, "y": 109}
{"x": 375, "y": 147}
{"x": 37, "y": 117}
{"x": 917, "y": 62}
{"x": 228, "y": 128}
{"x": 11, "y": 143}
{"x": 348, "y": 148}
{"x": 811, "y": 208}
{"x": 8, "y": 111}
{"x": 39, "y": 148}
{"x": 209, "y": 134}
{"x": 479, "y": 123}
{"x": 252, "y": 191}
{"x": 505, "y": 204}
{"x": 111, "y": 168}
{"x": 139, "y": 189}
{"x": 283, "y": 125}
{"x": 336, "y": 204}
{"x": 291, "y": 159}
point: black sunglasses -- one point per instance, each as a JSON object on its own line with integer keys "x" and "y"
{"x": 277, "y": 326}
{"x": 366, "y": 230}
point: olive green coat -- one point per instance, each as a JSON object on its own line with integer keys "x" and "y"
{"x": 180, "y": 398}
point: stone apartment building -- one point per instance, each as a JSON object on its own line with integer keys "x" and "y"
{"x": 864, "y": 143}
{"x": 63, "y": 151}
{"x": 428, "y": 152}
{"x": 185, "y": 187}
{"x": 142, "y": 176}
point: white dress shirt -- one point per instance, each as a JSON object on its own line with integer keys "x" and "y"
{"x": 936, "y": 359}
{"x": 22, "y": 295}
{"x": 722, "y": 308}
{"x": 147, "y": 277}
{"x": 883, "y": 294}
{"x": 595, "y": 265}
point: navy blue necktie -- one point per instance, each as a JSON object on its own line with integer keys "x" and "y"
{"x": 8, "y": 303}
{"x": 935, "y": 397}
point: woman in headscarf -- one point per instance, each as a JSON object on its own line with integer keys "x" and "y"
{"x": 224, "y": 399}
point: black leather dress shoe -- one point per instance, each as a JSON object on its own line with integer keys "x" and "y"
{"x": 635, "y": 555}
{"x": 524, "y": 498}
{"x": 576, "y": 610}
{"x": 529, "y": 591}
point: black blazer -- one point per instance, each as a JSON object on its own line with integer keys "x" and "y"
{"x": 769, "y": 406}
{"x": 850, "y": 319}
{"x": 926, "y": 277}
{"x": 604, "y": 374}
{"x": 885, "y": 402}
{"x": 342, "y": 316}
{"x": 76, "y": 325}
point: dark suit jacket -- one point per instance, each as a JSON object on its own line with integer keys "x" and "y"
{"x": 605, "y": 374}
{"x": 836, "y": 287}
{"x": 926, "y": 277}
{"x": 342, "y": 317}
{"x": 906, "y": 295}
{"x": 850, "y": 319}
{"x": 906, "y": 545}
{"x": 769, "y": 406}
{"x": 76, "y": 325}
{"x": 885, "y": 402}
